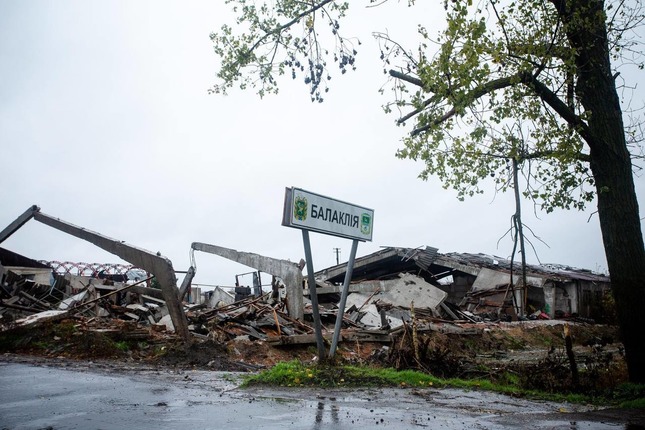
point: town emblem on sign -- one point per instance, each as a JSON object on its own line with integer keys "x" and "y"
{"x": 366, "y": 223}
{"x": 300, "y": 208}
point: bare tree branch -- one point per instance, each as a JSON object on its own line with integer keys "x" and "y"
{"x": 526, "y": 78}
{"x": 297, "y": 18}
{"x": 406, "y": 78}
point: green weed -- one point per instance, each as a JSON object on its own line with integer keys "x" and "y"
{"x": 42, "y": 345}
{"x": 122, "y": 346}
{"x": 64, "y": 329}
{"x": 298, "y": 374}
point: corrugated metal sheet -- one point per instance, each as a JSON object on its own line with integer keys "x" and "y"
{"x": 423, "y": 257}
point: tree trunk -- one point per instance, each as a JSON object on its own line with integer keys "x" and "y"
{"x": 623, "y": 242}
{"x": 612, "y": 170}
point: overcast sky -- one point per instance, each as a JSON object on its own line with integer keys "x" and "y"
{"x": 105, "y": 122}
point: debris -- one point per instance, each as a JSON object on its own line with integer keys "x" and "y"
{"x": 156, "y": 264}
{"x": 166, "y": 321}
{"x": 41, "y": 317}
{"x": 398, "y": 296}
{"x": 290, "y": 273}
{"x": 479, "y": 283}
{"x": 300, "y": 339}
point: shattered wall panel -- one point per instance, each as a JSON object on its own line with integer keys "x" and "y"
{"x": 490, "y": 279}
{"x": 218, "y": 297}
{"x": 404, "y": 290}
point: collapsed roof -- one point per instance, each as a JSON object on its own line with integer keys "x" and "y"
{"x": 433, "y": 266}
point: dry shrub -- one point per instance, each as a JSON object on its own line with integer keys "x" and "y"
{"x": 435, "y": 354}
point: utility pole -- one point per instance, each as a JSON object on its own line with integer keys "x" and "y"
{"x": 337, "y": 252}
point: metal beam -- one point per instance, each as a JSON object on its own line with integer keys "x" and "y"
{"x": 288, "y": 271}
{"x": 18, "y": 222}
{"x": 158, "y": 265}
{"x": 186, "y": 283}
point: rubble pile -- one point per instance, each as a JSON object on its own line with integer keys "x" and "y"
{"x": 135, "y": 311}
{"x": 397, "y": 307}
{"x": 376, "y": 312}
{"x": 404, "y": 323}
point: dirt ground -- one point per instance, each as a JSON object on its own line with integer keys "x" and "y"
{"x": 529, "y": 352}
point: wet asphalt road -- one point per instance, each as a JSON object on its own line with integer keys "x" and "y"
{"x": 40, "y": 397}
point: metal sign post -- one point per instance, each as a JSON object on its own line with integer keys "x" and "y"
{"x": 309, "y": 211}
{"x": 343, "y": 298}
{"x": 314, "y": 295}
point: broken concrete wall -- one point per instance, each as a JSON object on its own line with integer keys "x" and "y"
{"x": 549, "y": 298}
{"x": 565, "y": 295}
{"x": 574, "y": 292}
{"x": 290, "y": 273}
{"x": 218, "y": 297}
{"x": 406, "y": 289}
{"x": 159, "y": 266}
{"x": 394, "y": 294}
{"x": 490, "y": 279}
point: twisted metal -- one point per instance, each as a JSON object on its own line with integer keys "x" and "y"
{"x": 88, "y": 269}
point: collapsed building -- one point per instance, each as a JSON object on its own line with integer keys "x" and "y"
{"x": 154, "y": 263}
{"x": 388, "y": 289}
{"x": 481, "y": 284}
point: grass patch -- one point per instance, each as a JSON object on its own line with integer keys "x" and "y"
{"x": 633, "y": 404}
{"x": 42, "y": 345}
{"x": 297, "y": 374}
{"x": 122, "y": 346}
{"x": 64, "y": 328}
{"x": 544, "y": 340}
{"x": 630, "y": 396}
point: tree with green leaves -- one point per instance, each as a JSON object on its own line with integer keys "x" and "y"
{"x": 526, "y": 83}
